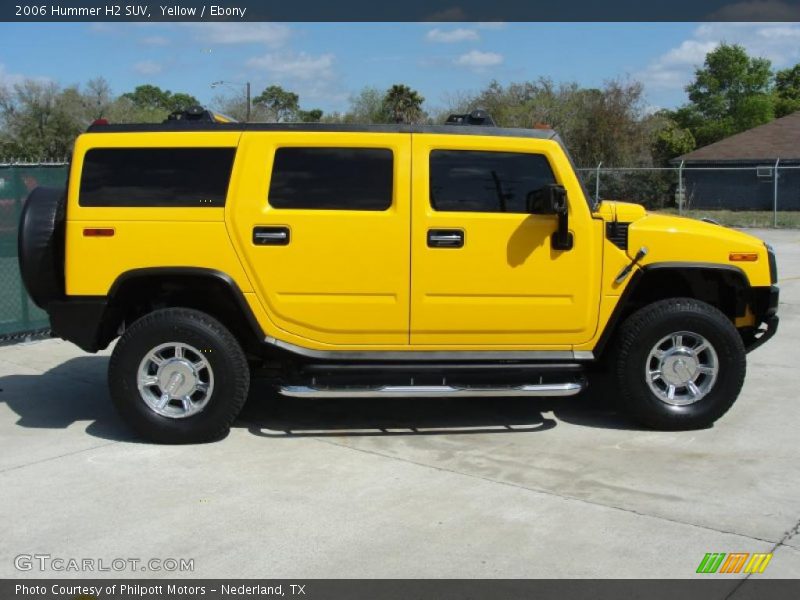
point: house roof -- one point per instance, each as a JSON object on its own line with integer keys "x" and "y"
{"x": 778, "y": 139}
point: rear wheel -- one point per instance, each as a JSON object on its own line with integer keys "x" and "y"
{"x": 680, "y": 365}
{"x": 179, "y": 376}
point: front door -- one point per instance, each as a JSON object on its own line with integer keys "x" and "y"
{"x": 322, "y": 220}
{"x": 484, "y": 272}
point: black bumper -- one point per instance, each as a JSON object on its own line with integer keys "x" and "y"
{"x": 768, "y": 324}
{"x": 84, "y": 321}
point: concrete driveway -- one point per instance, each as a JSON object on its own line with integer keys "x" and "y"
{"x": 403, "y": 488}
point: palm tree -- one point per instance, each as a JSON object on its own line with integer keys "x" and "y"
{"x": 403, "y": 105}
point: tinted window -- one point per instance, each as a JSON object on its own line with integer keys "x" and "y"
{"x": 469, "y": 181}
{"x": 156, "y": 176}
{"x": 332, "y": 178}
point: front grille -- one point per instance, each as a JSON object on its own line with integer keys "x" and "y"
{"x": 617, "y": 234}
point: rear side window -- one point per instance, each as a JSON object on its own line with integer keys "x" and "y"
{"x": 156, "y": 176}
{"x": 477, "y": 181}
{"x": 332, "y": 178}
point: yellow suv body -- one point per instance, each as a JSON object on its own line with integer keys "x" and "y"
{"x": 325, "y": 249}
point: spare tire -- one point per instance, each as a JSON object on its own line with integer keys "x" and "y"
{"x": 40, "y": 244}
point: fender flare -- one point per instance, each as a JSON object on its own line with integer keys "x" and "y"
{"x": 636, "y": 280}
{"x": 92, "y": 322}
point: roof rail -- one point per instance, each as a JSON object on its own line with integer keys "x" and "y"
{"x": 476, "y": 117}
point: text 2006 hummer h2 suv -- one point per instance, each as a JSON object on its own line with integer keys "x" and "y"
{"x": 381, "y": 261}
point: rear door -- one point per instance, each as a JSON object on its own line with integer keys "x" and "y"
{"x": 322, "y": 221}
{"x": 484, "y": 272}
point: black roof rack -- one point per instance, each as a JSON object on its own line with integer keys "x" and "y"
{"x": 476, "y": 117}
{"x": 198, "y": 118}
{"x": 183, "y": 125}
{"x": 197, "y": 114}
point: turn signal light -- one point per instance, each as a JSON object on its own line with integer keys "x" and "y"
{"x": 743, "y": 256}
{"x": 98, "y": 232}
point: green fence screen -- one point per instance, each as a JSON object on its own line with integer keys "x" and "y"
{"x": 18, "y": 314}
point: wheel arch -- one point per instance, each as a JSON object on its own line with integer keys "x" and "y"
{"x": 139, "y": 291}
{"x": 92, "y": 322}
{"x": 725, "y": 287}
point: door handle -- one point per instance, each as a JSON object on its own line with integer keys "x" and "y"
{"x": 445, "y": 238}
{"x": 271, "y": 236}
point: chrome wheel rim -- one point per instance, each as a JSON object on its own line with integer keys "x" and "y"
{"x": 682, "y": 368}
{"x": 175, "y": 380}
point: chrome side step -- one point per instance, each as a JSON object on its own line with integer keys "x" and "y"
{"x": 433, "y": 391}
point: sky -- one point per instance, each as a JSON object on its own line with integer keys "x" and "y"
{"x": 326, "y": 63}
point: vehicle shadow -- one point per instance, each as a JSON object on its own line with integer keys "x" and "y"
{"x": 76, "y": 391}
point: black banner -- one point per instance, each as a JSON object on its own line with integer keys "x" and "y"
{"x": 402, "y": 589}
{"x": 408, "y": 10}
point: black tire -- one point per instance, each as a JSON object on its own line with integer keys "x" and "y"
{"x": 40, "y": 244}
{"x": 643, "y": 330}
{"x": 220, "y": 349}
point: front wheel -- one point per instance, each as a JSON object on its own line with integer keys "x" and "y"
{"x": 178, "y": 376}
{"x": 680, "y": 364}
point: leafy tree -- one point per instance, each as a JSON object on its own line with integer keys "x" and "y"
{"x": 787, "y": 91}
{"x": 279, "y": 104}
{"x": 97, "y": 99}
{"x": 605, "y": 124}
{"x": 403, "y": 105}
{"x": 148, "y": 96}
{"x": 730, "y": 93}
{"x": 670, "y": 139}
{"x": 309, "y": 116}
{"x": 180, "y": 101}
{"x": 35, "y": 121}
{"x": 152, "y": 97}
{"x": 365, "y": 107}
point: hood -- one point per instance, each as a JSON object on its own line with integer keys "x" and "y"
{"x": 674, "y": 239}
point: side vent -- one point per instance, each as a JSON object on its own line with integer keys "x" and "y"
{"x": 617, "y": 234}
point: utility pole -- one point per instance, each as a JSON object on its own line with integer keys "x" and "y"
{"x": 248, "y": 102}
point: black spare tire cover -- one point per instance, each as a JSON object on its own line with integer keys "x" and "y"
{"x": 41, "y": 244}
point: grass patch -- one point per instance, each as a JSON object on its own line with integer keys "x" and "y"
{"x": 789, "y": 219}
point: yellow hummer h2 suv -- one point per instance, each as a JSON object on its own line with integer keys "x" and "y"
{"x": 381, "y": 261}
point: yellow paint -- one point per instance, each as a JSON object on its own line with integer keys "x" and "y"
{"x": 366, "y": 280}
{"x": 680, "y": 239}
{"x": 506, "y": 285}
{"x": 343, "y": 279}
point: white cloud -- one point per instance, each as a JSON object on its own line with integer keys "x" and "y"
{"x": 155, "y": 40}
{"x": 148, "y": 67}
{"x": 673, "y": 69}
{"x": 299, "y": 66}
{"x": 12, "y": 79}
{"x": 779, "y": 42}
{"x": 475, "y": 59}
{"x": 273, "y": 35}
{"x": 452, "y": 36}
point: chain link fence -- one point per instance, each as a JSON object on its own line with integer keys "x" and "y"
{"x": 746, "y": 195}
{"x": 19, "y": 316}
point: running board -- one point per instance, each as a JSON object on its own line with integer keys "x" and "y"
{"x": 433, "y": 391}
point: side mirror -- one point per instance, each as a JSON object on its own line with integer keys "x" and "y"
{"x": 552, "y": 200}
